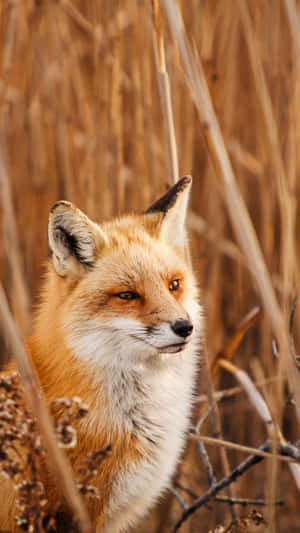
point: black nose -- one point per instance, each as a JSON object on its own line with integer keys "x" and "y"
{"x": 183, "y": 328}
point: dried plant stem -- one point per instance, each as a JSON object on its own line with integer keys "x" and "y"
{"x": 164, "y": 90}
{"x": 239, "y": 447}
{"x": 33, "y": 394}
{"x": 20, "y": 296}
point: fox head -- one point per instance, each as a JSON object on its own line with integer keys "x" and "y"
{"x": 124, "y": 292}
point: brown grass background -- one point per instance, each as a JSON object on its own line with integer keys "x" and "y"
{"x": 81, "y": 119}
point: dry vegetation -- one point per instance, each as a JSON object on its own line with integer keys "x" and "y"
{"x": 81, "y": 119}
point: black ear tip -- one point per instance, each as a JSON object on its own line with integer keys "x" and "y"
{"x": 164, "y": 203}
{"x": 60, "y": 203}
{"x": 182, "y": 183}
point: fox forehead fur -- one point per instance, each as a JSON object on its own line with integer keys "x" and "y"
{"x": 119, "y": 326}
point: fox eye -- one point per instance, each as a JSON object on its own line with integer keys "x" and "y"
{"x": 128, "y": 295}
{"x": 174, "y": 285}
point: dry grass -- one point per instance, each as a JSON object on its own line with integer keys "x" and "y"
{"x": 82, "y": 119}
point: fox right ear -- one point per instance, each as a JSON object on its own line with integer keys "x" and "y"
{"x": 73, "y": 238}
{"x": 168, "y": 213}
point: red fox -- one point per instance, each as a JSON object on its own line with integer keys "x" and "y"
{"x": 119, "y": 326}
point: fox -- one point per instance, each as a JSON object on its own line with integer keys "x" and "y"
{"x": 119, "y": 325}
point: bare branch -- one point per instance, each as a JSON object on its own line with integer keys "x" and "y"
{"x": 177, "y": 497}
{"x": 247, "y": 501}
{"x": 225, "y": 482}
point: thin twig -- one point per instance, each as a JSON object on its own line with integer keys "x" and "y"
{"x": 177, "y": 496}
{"x": 288, "y": 454}
{"x": 247, "y": 501}
{"x": 185, "y": 489}
{"x": 207, "y": 464}
{"x": 202, "y": 450}
{"x": 206, "y": 415}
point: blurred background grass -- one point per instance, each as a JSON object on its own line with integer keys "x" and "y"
{"x": 81, "y": 119}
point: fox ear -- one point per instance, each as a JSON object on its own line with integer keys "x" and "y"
{"x": 73, "y": 238}
{"x": 171, "y": 212}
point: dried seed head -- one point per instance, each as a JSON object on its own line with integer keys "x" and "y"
{"x": 22, "y": 455}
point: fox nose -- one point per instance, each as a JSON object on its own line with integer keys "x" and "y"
{"x": 183, "y": 328}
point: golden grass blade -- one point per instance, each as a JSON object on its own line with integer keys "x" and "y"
{"x": 19, "y": 293}
{"x": 164, "y": 90}
{"x": 295, "y": 469}
{"x": 234, "y": 340}
{"x": 254, "y": 395}
{"x": 57, "y": 461}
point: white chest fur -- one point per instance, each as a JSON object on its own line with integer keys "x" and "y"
{"x": 155, "y": 406}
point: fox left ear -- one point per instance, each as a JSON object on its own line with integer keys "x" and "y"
{"x": 171, "y": 212}
{"x": 74, "y": 239}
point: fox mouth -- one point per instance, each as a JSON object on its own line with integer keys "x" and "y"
{"x": 169, "y": 348}
{"x": 173, "y": 348}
